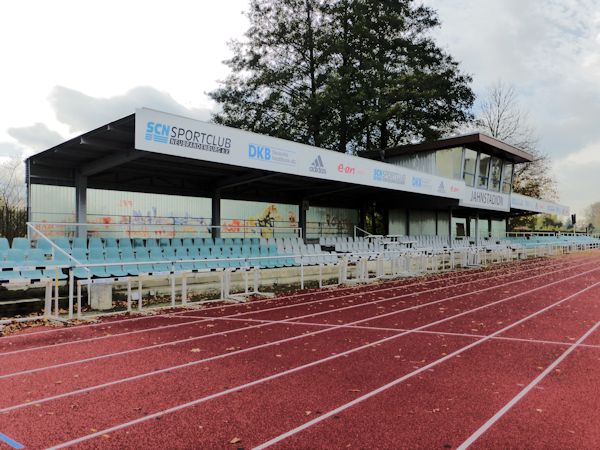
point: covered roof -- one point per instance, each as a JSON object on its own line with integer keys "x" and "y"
{"x": 476, "y": 141}
{"x": 109, "y": 159}
{"x": 155, "y": 152}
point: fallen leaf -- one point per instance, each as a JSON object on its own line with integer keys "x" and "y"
{"x": 308, "y": 413}
{"x": 235, "y": 440}
{"x": 195, "y": 350}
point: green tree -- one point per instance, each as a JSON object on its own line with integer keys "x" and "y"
{"x": 349, "y": 75}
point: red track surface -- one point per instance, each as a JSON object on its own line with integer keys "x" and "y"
{"x": 501, "y": 358}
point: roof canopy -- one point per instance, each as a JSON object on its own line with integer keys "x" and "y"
{"x": 476, "y": 141}
{"x": 156, "y": 152}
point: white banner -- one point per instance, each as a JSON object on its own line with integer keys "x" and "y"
{"x": 484, "y": 199}
{"x": 518, "y": 201}
{"x": 179, "y": 136}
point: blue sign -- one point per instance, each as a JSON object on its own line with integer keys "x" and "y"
{"x": 157, "y": 132}
{"x": 258, "y": 152}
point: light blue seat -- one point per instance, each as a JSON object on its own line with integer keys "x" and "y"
{"x": 187, "y": 243}
{"x": 201, "y": 242}
{"x": 176, "y": 242}
{"x": 228, "y": 242}
{"x": 151, "y": 243}
{"x": 141, "y": 255}
{"x": 164, "y": 242}
{"x": 254, "y": 253}
{"x": 113, "y": 257}
{"x": 62, "y": 242}
{"x": 4, "y": 244}
{"x": 215, "y": 254}
{"x": 60, "y": 259}
{"x": 80, "y": 255}
{"x": 34, "y": 258}
{"x": 127, "y": 256}
{"x": 110, "y": 243}
{"x": 21, "y": 244}
{"x": 95, "y": 242}
{"x": 237, "y": 241}
{"x": 138, "y": 243}
{"x": 267, "y": 262}
{"x": 41, "y": 244}
{"x": 124, "y": 243}
{"x": 218, "y": 242}
{"x": 181, "y": 253}
{"x": 96, "y": 256}
{"x": 79, "y": 243}
{"x": 156, "y": 254}
{"x": 193, "y": 253}
{"x": 169, "y": 253}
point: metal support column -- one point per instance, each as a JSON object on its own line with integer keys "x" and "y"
{"x": 81, "y": 203}
{"x": 450, "y": 240}
{"x": 302, "y": 208}
{"x": 216, "y": 214}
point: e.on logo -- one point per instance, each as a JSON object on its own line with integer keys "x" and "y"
{"x": 346, "y": 169}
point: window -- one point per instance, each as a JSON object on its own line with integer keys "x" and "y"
{"x": 495, "y": 174}
{"x": 447, "y": 163}
{"x": 469, "y": 166}
{"x": 507, "y": 174}
{"x": 484, "y": 169}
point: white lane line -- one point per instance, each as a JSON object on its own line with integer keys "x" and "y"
{"x": 388, "y": 286}
{"x": 289, "y": 320}
{"x": 397, "y": 381}
{"x": 357, "y": 305}
{"x": 486, "y": 426}
{"x": 440, "y": 333}
{"x": 311, "y": 364}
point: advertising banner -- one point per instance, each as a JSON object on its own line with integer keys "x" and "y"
{"x": 179, "y": 136}
{"x": 518, "y": 201}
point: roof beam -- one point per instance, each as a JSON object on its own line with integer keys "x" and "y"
{"x": 110, "y": 161}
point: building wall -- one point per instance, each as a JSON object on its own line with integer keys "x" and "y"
{"x": 144, "y": 215}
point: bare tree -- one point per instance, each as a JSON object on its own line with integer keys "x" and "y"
{"x": 13, "y": 214}
{"x": 501, "y": 116}
{"x": 592, "y": 215}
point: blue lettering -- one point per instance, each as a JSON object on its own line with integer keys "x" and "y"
{"x": 258, "y": 152}
{"x": 150, "y": 127}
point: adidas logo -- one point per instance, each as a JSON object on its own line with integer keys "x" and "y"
{"x": 317, "y": 166}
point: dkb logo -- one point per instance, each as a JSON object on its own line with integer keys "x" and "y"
{"x": 258, "y": 152}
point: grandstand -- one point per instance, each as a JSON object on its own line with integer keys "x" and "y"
{"x": 444, "y": 206}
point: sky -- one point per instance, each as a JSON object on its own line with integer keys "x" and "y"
{"x": 78, "y": 65}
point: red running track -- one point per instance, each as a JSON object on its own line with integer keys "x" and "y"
{"x": 453, "y": 360}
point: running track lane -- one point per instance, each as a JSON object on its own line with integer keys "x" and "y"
{"x": 561, "y": 412}
{"x": 442, "y": 407}
{"x": 336, "y": 362}
{"x": 54, "y": 381}
{"x": 78, "y": 350}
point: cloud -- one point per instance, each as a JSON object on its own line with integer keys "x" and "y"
{"x": 36, "y": 137}
{"x": 9, "y": 150}
{"x": 81, "y": 112}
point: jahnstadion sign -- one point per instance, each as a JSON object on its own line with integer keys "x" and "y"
{"x": 169, "y": 134}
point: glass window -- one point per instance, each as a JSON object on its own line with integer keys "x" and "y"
{"x": 495, "y": 174}
{"x": 507, "y": 173}
{"x": 469, "y": 166}
{"x": 484, "y": 168}
{"x": 447, "y": 163}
